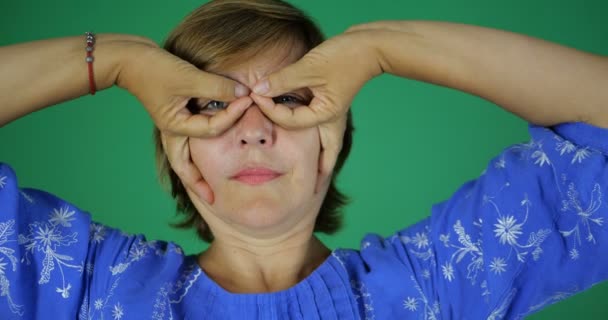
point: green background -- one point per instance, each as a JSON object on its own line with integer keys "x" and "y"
{"x": 415, "y": 143}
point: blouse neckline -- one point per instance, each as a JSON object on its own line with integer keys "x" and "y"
{"x": 328, "y": 282}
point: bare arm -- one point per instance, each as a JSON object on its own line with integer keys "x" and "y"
{"x": 542, "y": 82}
{"x": 42, "y": 73}
{"x": 38, "y": 74}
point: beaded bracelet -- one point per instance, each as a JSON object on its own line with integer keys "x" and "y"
{"x": 89, "y": 59}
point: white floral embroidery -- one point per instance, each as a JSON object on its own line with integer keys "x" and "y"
{"x": 83, "y": 314}
{"x": 420, "y": 240}
{"x": 467, "y": 247}
{"x": 426, "y": 274}
{"x": 2, "y": 181}
{"x": 580, "y": 155}
{"x": 564, "y": 146}
{"x": 508, "y": 230}
{"x": 500, "y": 163}
{"x": 117, "y": 312}
{"x": 555, "y": 297}
{"x": 97, "y": 232}
{"x": 586, "y": 217}
{"x": 533, "y": 149}
{"x": 174, "y": 292}
{"x": 89, "y": 267}
{"x": 485, "y": 290}
{"x": 62, "y": 217}
{"x": 541, "y": 158}
{"x": 341, "y": 256}
{"x": 27, "y": 197}
{"x": 137, "y": 251}
{"x": 429, "y": 311}
{"x": 65, "y": 291}
{"x": 101, "y": 304}
{"x": 410, "y": 304}
{"x": 6, "y": 230}
{"x": 98, "y": 304}
{"x": 364, "y": 298}
{"x": 448, "y": 271}
{"x": 445, "y": 239}
{"x": 48, "y": 237}
{"x": 498, "y": 265}
{"x": 499, "y": 312}
{"x": 119, "y": 268}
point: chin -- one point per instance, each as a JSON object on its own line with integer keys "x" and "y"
{"x": 259, "y": 216}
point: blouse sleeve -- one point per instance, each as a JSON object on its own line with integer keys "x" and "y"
{"x": 48, "y": 249}
{"x": 530, "y": 231}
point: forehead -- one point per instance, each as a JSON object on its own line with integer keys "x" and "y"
{"x": 249, "y": 68}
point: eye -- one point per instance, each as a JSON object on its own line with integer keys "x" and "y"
{"x": 210, "y": 107}
{"x": 215, "y": 105}
{"x": 290, "y": 100}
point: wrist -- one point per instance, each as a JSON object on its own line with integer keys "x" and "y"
{"x": 371, "y": 48}
{"x": 115, "y": 52}
{"x": 385, "y": 38}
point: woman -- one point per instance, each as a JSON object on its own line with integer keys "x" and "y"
{"x": 257, "y": 172}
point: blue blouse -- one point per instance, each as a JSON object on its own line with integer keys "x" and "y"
{"x": 528, "y": 232}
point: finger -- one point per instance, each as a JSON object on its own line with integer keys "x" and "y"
{"x": 290, "y": 118}
{"x": 177, "y": 150}
{"x": 224, "y": 119}
{"x": 331, "y": 136}
{"x": 204, "y": 126}
{"x": 212, "y": 86}
{"x": 300, "y": 74}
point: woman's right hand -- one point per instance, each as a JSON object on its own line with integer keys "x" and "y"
{"x": 177, "y": 149}
{"x": 38, "y": 74}
{"x": 164, "y": 84}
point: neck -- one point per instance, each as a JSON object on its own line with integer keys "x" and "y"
{"x": 266, "y": 266}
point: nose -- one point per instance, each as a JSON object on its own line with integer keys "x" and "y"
{"x": 254, "y": 129}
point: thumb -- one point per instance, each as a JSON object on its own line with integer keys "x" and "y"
{"x": 292, "y": 77}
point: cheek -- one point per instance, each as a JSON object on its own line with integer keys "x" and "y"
{"x": 206, "y": 156}
{"x": 296, "y": 149}
{"x": 307, "y": 148}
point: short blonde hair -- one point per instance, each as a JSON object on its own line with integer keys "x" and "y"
{"x": 219, "y": 32}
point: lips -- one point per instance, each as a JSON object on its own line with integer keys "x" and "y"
{"x": 256, "y": 176}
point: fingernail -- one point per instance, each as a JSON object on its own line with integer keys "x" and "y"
{"x": 262, "y": 87}
{"x": 240, "y": 90}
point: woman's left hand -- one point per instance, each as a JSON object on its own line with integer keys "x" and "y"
{"x": 330, "y": 133}
{"x": 177, "y": 149}
{"x": 334, "y": 71}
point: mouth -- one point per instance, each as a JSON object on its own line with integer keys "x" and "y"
{"x": 256, "y": 176}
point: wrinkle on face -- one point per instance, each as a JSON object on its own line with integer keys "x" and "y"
{"x": 249, "y": 72}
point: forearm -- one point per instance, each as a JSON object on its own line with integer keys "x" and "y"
{"x": 542, "y": 82}
{"x": 38, "y": 74}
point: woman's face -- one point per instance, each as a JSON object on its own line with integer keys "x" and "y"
{"x": 263, "y": 177}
